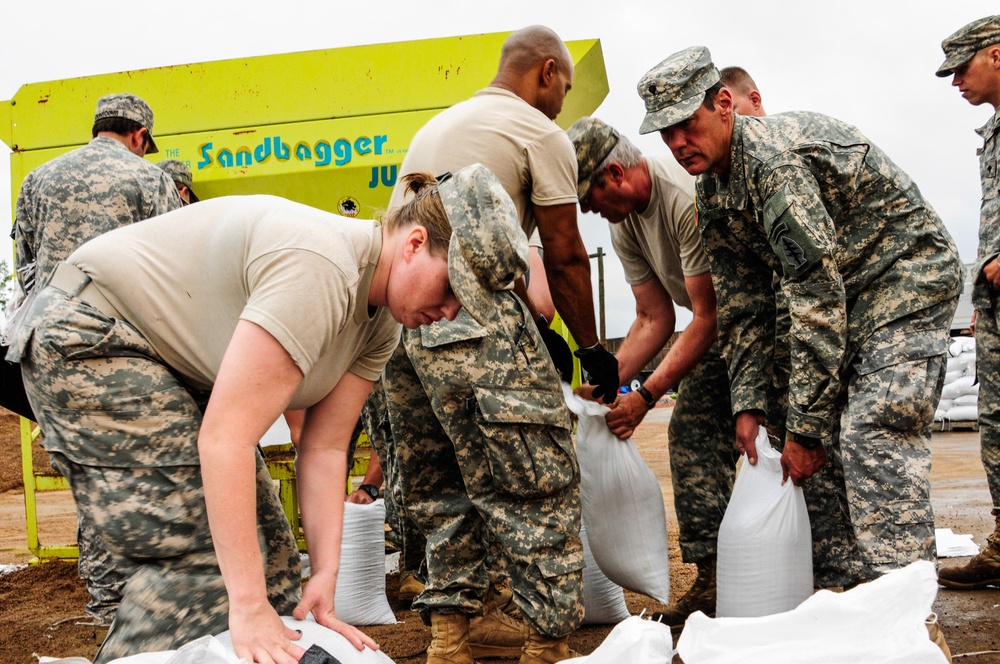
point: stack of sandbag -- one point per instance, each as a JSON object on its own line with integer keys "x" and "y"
{"x": 622, "y": 505}
{"x": 764, "y": 562}
{"x": 960, "y": 395}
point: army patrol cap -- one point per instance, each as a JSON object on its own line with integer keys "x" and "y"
{"x": 180, "y": 174}
{"x": 488, "y": 249}
{"x": 674, "y": 89}
{"x": 594, "y": 140}
{"x": 131, "y": 108}
{"x": 965, "y": 42}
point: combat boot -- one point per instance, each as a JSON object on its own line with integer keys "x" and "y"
{"x": 496, "y": 634}
{"x": 449, "y": 639}
{"x": 541, "y": 649}
{"x": 981, "y": 571}
{"x": 409, "y": 587}
{"x": 499, "y": 596}
{"x": 937, "y": 636}
{"x": 701, "y": 597}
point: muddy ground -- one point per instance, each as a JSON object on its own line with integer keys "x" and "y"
{"x": 39, "y": 605}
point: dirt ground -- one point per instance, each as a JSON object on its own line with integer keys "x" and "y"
{"x": 40, "y": 605}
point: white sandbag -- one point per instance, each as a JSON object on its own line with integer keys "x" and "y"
{"x": 954, "y": 364}
{"x": 954, "y": 545}
{"x": 206, "y": 650}
{"x": 951, "y": 376}
{"x": 940, "y": 415}
{"x": 968, "y": 362}
{"x": 360, "y": 598}
{"x": 961, "y": 345}
{"x": 622, "y": 505}
{"x": 963, "y": 385}
{"x": 881, "y": 621}
{"x": 327, "y": 639}
{"x": 963, "y": 413}
{"x": 632, "y": 641}
{"x": 603, "y": 599}
{"x": 764, "y": 561}
{"x": 966, "y": 400}
{"x": 945, "y": 404}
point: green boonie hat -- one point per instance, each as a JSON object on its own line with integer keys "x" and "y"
{"x": 131, "y": 108}
{"x": 965, "y": 42}
{"x": 594, "y": 140}
{"x": 180, "y": 174}
{"x": 488, "y": 249}
{"x": 674, "y": 89}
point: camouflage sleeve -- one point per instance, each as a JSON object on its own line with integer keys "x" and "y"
{"x": 166, "y": 198}
{"x": 801, "y": 234}
{"x": 745, "y": 294}
{"x": 24, "y": 239}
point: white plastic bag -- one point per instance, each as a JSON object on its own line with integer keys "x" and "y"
{"x": 764, "y": 563}
{"x": 622, "y": 505}
{"x": 325, "y": 638}
{"x": 633, "y": 641}
{"x": 360, "y": 598}
{"x": 603, "y": 599}
{"x": 882, "y": 621}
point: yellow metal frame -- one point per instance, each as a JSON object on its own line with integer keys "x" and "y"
{"x": 35, "y": 483}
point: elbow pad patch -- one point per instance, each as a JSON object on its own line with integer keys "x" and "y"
{"x": 794, "y": 246}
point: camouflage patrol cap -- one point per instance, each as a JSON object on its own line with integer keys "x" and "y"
{"x": 131, "y": 108}
{"x": 965, "y": 42}
{"x": 180, "y": 174}
{"x": 594, "y": 140}
{"x": 488, "y": 249}
{"x": 674, "y": 89}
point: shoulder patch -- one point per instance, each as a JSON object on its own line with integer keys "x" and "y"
{"x": 794, "y": 246}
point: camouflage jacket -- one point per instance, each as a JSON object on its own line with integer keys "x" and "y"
{"x": 80, "y": 195}
{"x": 857, "y": 246}
{"x": 989, "y": 214}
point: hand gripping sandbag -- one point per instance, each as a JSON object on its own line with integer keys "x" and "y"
{"x": 360, "y": 598}
{"x": 603, "y": 599}
{"x": 882, "y": 621}
{"x": 332, "y": 642}
{"x": 764, "y": 562}
{"x": 622, "y": 505}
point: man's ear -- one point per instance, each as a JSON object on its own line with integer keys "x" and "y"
{"x": 615, "y": 172}
{"x": 548, "y": 72}
{"x": 755, "y": 98}
{"x": 724, "y": 101}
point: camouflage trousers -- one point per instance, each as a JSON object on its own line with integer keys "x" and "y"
{"x": 406, "y": 534}
{"x": 702, "y": 455}
{"x": 988, "y": 374}
{"x": 870, "y": 507}
{"x": 105, "y": 581}
{"x": 483, "y": 440}
{"x": 123, "y": 430}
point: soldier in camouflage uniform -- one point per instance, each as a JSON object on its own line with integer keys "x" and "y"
{"x": 872, "y": 279}
{"x": 181, "y": 175}
{"x": 62, "y": 204}
{"x": 480, "y": 425}
{"x": 173, "y": 480}
{"x": 973, "y": 58}
{"x": 655, "y": 235}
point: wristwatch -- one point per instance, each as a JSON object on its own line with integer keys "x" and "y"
{"x": 647, "y": 396}
{"x": 370, "y": 489}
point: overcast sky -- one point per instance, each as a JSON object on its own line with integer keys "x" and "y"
{"x": 867, "y": 62}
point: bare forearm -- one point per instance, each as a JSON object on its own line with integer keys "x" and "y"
{"x": 683, "y": 356}
{"x": 321, "y": 497}
{"x": 574, "y": 299}
{"x": 229, "y": 476}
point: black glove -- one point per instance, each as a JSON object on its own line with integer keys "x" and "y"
{"x": 562, "y": 356}
{"x": 603, "y": 369}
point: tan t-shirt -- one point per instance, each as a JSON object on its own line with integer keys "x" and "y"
{"x": 530, "y": 154}
{"x": 662, "y": 241}
{"x": 184, "y": 280}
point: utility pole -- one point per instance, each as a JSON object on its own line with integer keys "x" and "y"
{"x": 600, "y": 290}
